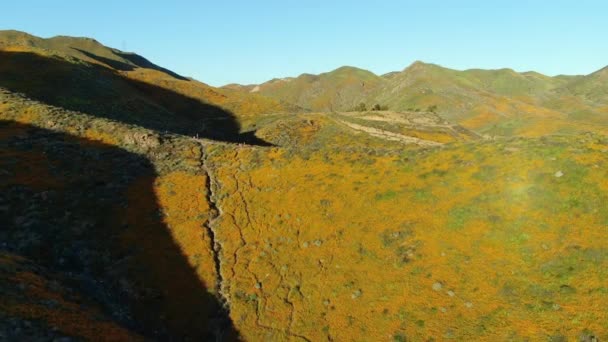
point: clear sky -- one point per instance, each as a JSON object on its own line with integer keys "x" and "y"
{"x": 224, "y": 41}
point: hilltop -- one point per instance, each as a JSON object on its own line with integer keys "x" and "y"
{"x": 497, "y": 102}
{"x": 109, "y": 82}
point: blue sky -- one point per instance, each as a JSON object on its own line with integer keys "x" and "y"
{"x": 223, "y": 41}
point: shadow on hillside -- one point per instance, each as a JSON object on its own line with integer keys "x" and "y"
{"x": 138, "y": 62}
{"x": 102, "y": 92}
{"x": 88, "y": 211}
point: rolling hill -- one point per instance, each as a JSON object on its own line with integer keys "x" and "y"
{"x": 497, "y": 102}
{"x": 111, "y": 83}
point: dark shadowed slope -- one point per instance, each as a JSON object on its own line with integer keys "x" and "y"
{"x": 131, "y": 65}
{"x": 103, "y": 92}
{"x": 80, "y": 47}
{"x": 89, "y": 212}
{"x": 136, "y": 61}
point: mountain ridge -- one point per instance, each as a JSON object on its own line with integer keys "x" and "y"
{"x": 481, "y": 99}
{"x": 131, "y": 67}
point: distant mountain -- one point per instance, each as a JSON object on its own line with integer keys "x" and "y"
{"x": 485, "y": 100}
{"x": 335, "y": 90}
{"x": 592, "y": 88}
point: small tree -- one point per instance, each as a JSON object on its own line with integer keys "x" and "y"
{"x": 432, "y": 109}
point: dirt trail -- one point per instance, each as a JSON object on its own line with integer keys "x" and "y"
{"x": 382, "y": 134}
{"x": 222, "y": 318}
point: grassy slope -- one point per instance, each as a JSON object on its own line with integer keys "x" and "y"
{"x": 336, "y": 90}
{"x": 321, "y": 131}
{"x": 497, "y": 102}
{"x": 475, "y": 241}
{"x": 331, "y": 236}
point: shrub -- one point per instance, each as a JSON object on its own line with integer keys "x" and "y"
{"x": 361, "y": 107}
{"x": 379, "y": 107}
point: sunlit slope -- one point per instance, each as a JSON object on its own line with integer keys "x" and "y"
{"x": 339, "y": 89}
{"x": 374, "y": 131}
{"x": 461, "y": 95}
{"x": 593, "y": 88}
{"x": 502, "y": 240}
{"x": 586, "y": 97}
{"x": 496, "y": 102}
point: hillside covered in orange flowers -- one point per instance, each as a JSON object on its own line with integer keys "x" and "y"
{"x": 138, "y": 204}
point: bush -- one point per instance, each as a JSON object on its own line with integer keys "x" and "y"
{"x": 379, "y": 107}
{"x": 361, "y": 107}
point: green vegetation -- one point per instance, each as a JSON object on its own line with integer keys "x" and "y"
{"x": 497, "y": 102}
{"x": 377, "y": 107}
{"x": 361, "y": 107}
{"x": 389, "y": 195}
